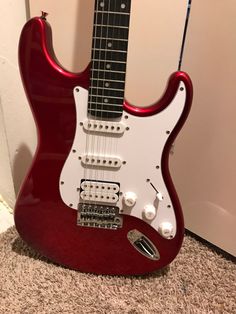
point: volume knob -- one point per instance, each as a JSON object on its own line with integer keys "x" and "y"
{"x": 149, "y": 211}
{"x": 130, "y": 199}
{"x": 166, "y": 230}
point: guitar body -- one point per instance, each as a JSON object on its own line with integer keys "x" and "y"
{"x": 46, "y": 211}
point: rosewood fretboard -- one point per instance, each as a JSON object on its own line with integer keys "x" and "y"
{"x": 109, "y": 56}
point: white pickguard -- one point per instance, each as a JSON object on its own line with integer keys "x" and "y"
{"x": 140, "y": 146}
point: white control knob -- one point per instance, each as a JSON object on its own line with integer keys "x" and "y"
{"x": 130, "y": 199}
{"x": 149, "y": 211}
{"x": 166, "y": 229}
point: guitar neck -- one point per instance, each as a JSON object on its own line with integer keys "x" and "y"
{"x": 109, "y": 57}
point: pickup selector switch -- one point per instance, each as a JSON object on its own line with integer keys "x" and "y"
{"x": 130, "y": 199}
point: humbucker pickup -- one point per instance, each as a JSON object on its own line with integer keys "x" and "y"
{"x": 104, "y": 126}
{"x": 99, "y": 191}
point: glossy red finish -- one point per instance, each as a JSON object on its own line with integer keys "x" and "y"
{"x": 41, "y": 218}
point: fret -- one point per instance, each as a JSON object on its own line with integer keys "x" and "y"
{"x": 110, "y": 50}
{"x": 121, "y": 33}
{"x": 113, "y": 6}
{"x": 106, "y": 92}
{"x": 96, "y": 104}
{"x": 106, "y": 100}
{"x": 108, "y": 71}
{"x": 109, "y": 65}
{"x": 109, "y": 55}
{"x": 108, "y": 89}
{"x": 110, "y": 44}
{"x": 108, "y": 12}
{"x": 113, "y": 61}
{"x": 98, "y": 109}
{"x": 115, "y": 20}
{"x": 112, "y": 26}
{"x": 104, "y": 110}
{"x": 106, "y": 114}
{"x": 106, "y": 81}
{"x": 108, "y": 84}
{"x": 107, "y": 76}
{"x": 107, "y": 38}
{"x": 105, "y": 97}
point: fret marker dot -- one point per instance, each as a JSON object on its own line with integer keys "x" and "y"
{"x": 109, "y": 45}
{"x": 107, "y": 84}
{"x": 108, "y": 66}
{"x": 106, "y": 100}
{"x": 102, "y": 4}
{"x": 123, "y": 6}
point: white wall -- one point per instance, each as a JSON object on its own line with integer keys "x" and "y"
{"x": 15, "y": 117}
{"x": 204, "y": 163}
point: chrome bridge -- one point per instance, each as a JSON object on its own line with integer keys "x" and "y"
{"x": 99, "y": 216}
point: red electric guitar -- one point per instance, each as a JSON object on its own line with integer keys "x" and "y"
{"x": 99, "y": 196}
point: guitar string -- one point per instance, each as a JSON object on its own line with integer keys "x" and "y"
{"x": 108, "y": 142}
{"x": 100, "y": 78}
{"x": 89, "y": 136}
{"x": 100, "y": 7}
{"x": 123, "y": 5}
{"x": 102, "y": 151}
{"x": 113, "y": 175}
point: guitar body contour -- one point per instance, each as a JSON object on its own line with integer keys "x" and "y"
{"x": 42, "y": 217}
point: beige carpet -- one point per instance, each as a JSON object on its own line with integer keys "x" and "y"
{"x": 198, "y": 281}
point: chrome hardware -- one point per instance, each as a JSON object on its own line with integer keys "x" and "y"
{"x": 142, "y": 244}
{"x": 104, "y": 126}
{"x": 101, "y": 161}
{"x": 44, "y": 15}
{"x": 99, "y": 216}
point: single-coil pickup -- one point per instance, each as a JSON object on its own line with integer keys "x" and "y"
{"x": 104, "y": 126}
{"x": 97, "y": 186}
{"x": 101, "y": 161}
{"x": 90, "y": 196}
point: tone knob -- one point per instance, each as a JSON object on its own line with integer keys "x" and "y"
{"x": 166, "y": 229}
{"x": 130, "y": 199}
{"x": 149, "y": 211}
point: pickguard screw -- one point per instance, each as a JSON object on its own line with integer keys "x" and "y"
{"x": 157, "y": 167}
{"x": 148, "y": 180}
{"x": 169, "y": 206}
{"x": 81, "y": 124}
{"x": 80, "y": 157}
{"x": 167, "y": 132}
{"x": 181, "y": 88}
{"x": 127, "y": 129}
{"x": 124, "y": 162}
{"x": 77, "y": 89}
{"x": 74, "y": 150}
{"x": 62, "y": 182}
{"x": 126, "y": 117}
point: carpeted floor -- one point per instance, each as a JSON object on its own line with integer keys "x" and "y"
{"x": 198, "y": 281}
